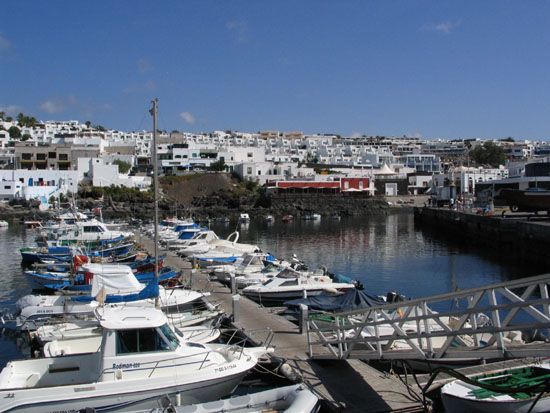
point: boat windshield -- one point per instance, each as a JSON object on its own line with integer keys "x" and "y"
{"x": 170, "y": 336}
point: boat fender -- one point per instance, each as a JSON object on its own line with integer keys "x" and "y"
{"x": 286, "y": 370}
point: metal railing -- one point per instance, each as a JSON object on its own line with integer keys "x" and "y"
{"x": 483, "y": 322}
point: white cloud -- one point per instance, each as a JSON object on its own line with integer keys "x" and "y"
{"x": 187, "y": 117}
{"x": 11, "y": 110}
{"x": 61, "y": 104}
{"x": 355, "y": 135}
{"x": 52, "y": 106}
{"x": 445, "y": 27}
{"x": 148, "y": 86}
{"x": 5, "y": 44}
{"x": 144, "y": 65}
{"x": 238, "y": 29}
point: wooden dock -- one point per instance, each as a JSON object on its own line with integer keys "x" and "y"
{"x": 345, "y": 385}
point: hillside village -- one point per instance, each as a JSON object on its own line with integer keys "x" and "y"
{"x": 41, "y": 160}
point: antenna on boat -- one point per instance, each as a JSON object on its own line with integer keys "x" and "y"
{"x": 154, "y": 112}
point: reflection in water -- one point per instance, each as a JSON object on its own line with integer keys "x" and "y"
{"x": 385, "y": 253}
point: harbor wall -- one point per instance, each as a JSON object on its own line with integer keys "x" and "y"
{"x": 522, "y": 240}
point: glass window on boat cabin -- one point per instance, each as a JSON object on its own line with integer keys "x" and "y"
{"x": 92, "y": 228}
{"x": 145, "y": 340}
{"x": 289, "y": 282}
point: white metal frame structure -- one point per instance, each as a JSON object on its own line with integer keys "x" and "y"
{"x": 476, "y": 325}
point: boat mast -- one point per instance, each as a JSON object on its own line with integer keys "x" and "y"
{"x": 153, "y": 112}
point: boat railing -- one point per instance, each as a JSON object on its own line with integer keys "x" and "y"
{"x": 481, "y": 322}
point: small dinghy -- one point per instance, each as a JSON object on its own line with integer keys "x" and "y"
{"x": 289, "y": 399}
{"x": 529, "y": 381}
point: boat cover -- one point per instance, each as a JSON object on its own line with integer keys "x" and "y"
{"x": 115, "y": 279}
{"x": 352, "y": 299}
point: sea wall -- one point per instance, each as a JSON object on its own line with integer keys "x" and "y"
{"x": 522, "y": 240}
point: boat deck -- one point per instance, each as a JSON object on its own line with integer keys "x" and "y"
{"x": 346, "y": 385}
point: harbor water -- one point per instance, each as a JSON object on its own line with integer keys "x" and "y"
{"x": 385, "y": 253}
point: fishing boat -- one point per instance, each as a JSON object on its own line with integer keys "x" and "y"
{"x": 290, "y": 284}
{"x": 30, "y": 255}
{"x": 504, "y": 391}
{"x": 289, "y": 399}
{"x": 87, "y": 233}
{"x": 119, "y": 288}
{"x": 81, "y": 282}
{"x": 140, "y": 360}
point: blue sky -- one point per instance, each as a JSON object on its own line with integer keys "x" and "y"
{"x": 434, "y": 68}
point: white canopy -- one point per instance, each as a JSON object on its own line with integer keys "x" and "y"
{"x": 115, "y": 279}
{"x": 385, "y": 170}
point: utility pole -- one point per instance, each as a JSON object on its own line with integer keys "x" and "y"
{"x": 154, "y": 112}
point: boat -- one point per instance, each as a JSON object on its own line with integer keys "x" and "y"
{"x": 244, "y": 218}
{"x": 32, "y": 224}
{"x": 3, "y": 224}
{"x": 78, "y": 338}
{"x": 81, "y": 282}
{"x": 119, "y": 288}
{"x": 290, "y": 284}
{"x": 30, "y": 255}
{"x": 198, "y": 243}
{"x": 311, "y": 216}
{"x": 530, "y": 200}
{"x": 289, "y": 399}
{"x": 87, "y": 233}
{"x": 140, "y": 360}
{"x": 269, "y": 219}
{"x": 247, "y": 263}
{"x": 223, "y": 251}
{"x": 482, "y": 393}
{"x": 287, "y": 218}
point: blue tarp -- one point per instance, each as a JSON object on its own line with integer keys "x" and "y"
{"x": 353, "y": 299}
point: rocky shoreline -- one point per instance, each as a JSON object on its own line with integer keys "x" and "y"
{"x": 216, "y": 207}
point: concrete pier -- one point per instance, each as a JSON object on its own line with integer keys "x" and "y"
{"x": 345, "y": 385}
{"x": 523, "y": 237}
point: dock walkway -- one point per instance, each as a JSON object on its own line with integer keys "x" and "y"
{"x": 346, "y": 385}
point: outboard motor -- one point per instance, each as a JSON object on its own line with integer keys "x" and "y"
{"x": 393, "y": 297}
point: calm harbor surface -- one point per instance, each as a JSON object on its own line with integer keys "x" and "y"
{"x": 385, "y": 253}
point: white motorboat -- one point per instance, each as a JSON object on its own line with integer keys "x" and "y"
{"x": 140, "y": 360}
{"x": 200, "y": 239}
{"x": 3, "y": 224}
{"x": 117, "y": 281}
{"x": 224, "y": 251}
{"x": 88, "y": 233}
{"x": 459, "y": 396}
{"x": 290, "y": 399}
{"x": 244, "y": 218}
{"x": 249, "y": 263}
{"x": 290, "y": 284}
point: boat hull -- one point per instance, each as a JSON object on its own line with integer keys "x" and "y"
{"x": 279, "y": 298}
{"x": 105, "y": 397}
{"x": 454, "y": 404}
